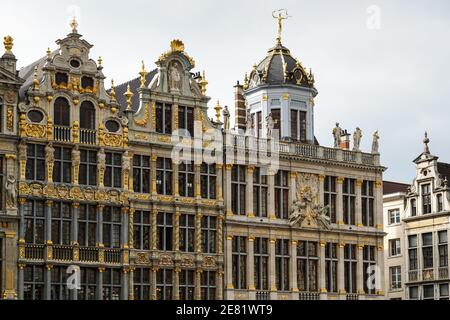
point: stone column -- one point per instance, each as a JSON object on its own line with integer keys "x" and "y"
{"x": 197, "y": 182}
{"x": 48, "y": 221}
{"x": 153, "y": 228}
{"x": 272, "y": 275}
{"x": 341, "y": 277}
{"x": 360, "y": 272}
{"x": 219, "y": 285}
{"x": 293, "y": 270}
{"x": 131, "y": 284}
{"x": 124, "y": 228}
{"x": 176, "y": 283}
{"x": 339, "y": 203}
{"x": 271, "y": 195}
{"x": 100, "y": 273}
{"x": 176, "y": 230}
{"x": 220, "y": 235}
{"x": 379, "y": 206}
{"x": 198, "y": 284}
{"x": 22, "y": 202}
{"x": 198, "y": 231}
{"x": 74, "y": 229}
{"x": 358, "y": 203}
{"x": 251, "y": 268}
{"x": 20, "y": 278}
{"x": 175, "y": 179}
{"x": 380, "y": 263}
{"x": 322, "y": 189}
{"x": 124, "y": 291}
{"x": 153, "y": 283}
{"x": 322, "y": 271}
{"x": 153, "y": 174}
{"x": 249, "y": 191}
{"x": 229, "y": 269}
{"x": 219, "y": 182}
{"x": 47, "y": 282}
{"x": 100, "y": 208}
{"x": 228, "y": 206}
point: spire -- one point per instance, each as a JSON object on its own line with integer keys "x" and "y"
{"x": 426, "y": 141}
{"x": 8, "y": 42}
{"x": 74, "y": 25}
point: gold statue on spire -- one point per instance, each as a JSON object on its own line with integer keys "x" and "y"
{"x": 74, "y": 25}
{"x": 8, "y": 42}
{"x": 280, "y": 15}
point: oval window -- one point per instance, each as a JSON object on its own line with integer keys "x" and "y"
{"x": 74, "y": 63}
{"x": 112, "y": 126}
{"x": 35, "y": 116}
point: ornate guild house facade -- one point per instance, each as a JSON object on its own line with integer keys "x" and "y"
{"x": 91, "y": 186}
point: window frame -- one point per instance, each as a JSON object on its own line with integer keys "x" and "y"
{"x": 164, "y": 231}
{"x": 260, "y": 193}
{"x": 282, "y": 195}
{"x": 238, "y": 189}
{"x": 310, "y": 261}
{"x": 141, "y": 173}
{"x": 282, "y": 260}
{"x": 113, "y": 170}
{"x": 239, "y": 263}
{"x": 164, "y": 175}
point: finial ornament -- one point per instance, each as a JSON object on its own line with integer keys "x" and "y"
{"x": 426, "y": 141}
{"x": 203, "y": 83}
{"x": 36, "y": 80}
{"x": 128, "y": 95}
{"x": 143, "y": 75}
{"x": 49, "y": 54}
{"x": 8, "y": 42}
{"x": 218, "y": 109}
{"x": 280, "y": 15}
{"x": 74, "y": 25}
{"x": 100, "y": 61}
{"x": 112, "y": 93}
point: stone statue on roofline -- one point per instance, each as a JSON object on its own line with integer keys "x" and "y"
{"x": 375, "y": 143}
{"x": 337, "y": 133}
{"x": 357, "y": 139}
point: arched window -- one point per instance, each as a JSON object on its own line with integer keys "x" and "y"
{"x": 61, "y": 112}
{"x": 87, "y": 115}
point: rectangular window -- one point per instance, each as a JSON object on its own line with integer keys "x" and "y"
{"x": 426, "y": 199}
{"x": 113, "y": 172}
{"x": 61, "y": 223}
{"x": 239, "y": 268}
{"x": 58, "y": 286}
{"x": 164, "y": 176}
{"x": 63, "y": 165}
{"x": 209, "y": 234}
{"x": 428, "y": 292}
{"x": 141, "y": 174}
{"x": 112, "y": 221}
{"x": 164, "y": 284}
{"x": 164, "y": 231}
{"x": 394, "y": 216}
{"x": 282, "y": 195}
{"x": 34, "y": 222}
{"x": 163, "y": 118}
{"x": 349, "y": 198}
{"x": 186, "y": 176}
{"x": 427, "y": 250}
{"x": 33, "y": 283}
{"x": 302, "y": 124}
{"x": 87, "y": 225}
{"x": 88, "y": 284}
{"x": 208, "y": 180}
{"x": 294, "y": 124}
{"x": 368, "y": 200}
{"x": 187, "y": 233}
{"x": 208, "y": 285}
{"x": 2, "y": 172}
{"x": 394, "y": 247}
{"x": 443, "y": 248}
{"x": 413, "y": 208}
{"x": 439, "y": 204}
{"x": 88, "y": 168}
{"x": 443, "y": 291}
{"x": 186, "y": 119}
{"x": 412, "y": 253}
{"x": 260, "y": 188}
{"x": 142, "y": 230}
{"x": 331, "y": 265}
{"x": 350, "y": 263}
{"x": 35, "y": 169}
{"x": 238, "y": 184}
{"x": 187, "y": 284}
{"x": 330, "y": 195}
{"x": 142, "y": 284}
{"x": 413, "y": 293}
{"x": 111, "y": 284}
{"x": 258, "y": 124}
{"x": 282, "y": 264}
{"x": 396, "y": 277}
{"x": 276, "y": 116}
{"x": 307, "y": 266}
{"x": 369, "y": 262}
{"x": 261, "y": 254}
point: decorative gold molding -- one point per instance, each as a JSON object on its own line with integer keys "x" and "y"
{"x": 145, "y": 120}
{"x": 10, "y": 118}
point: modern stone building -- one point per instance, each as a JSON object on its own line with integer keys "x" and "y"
{"x": 137, "y": 191}
{"x": 418, "y": 236}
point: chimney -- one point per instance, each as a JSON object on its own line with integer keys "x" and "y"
{"x": 239, "y": 107}
{"x": 345, "y": 141}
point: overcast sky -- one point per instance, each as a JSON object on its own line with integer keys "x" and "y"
{"x": 394, "y": 78}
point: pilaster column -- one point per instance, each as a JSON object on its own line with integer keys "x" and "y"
{"x": 153, "y": 228}
{"x": 198, "y": 284}
{"x": 124, "y": 228}
{"x": 341, "y": 276}
{"x": 20, "y": 279}
{"x": 176, "y": 284}
{"x": 47, "y": 282}
{"x": 219, "y": 285}
{"x": 100, "y": 209}
{"x": 153, "y": 174}
{"x": 322, "y": 189}
{"x": 219, "y": 182}
{"x": 358, "y": 203}
{"x": 293, "y": 270}
{"x": 74, "y": 229}
{"x": 292, "y": 189}
{"x": 153, "y": 283}
{"x": 100, "y": 273}
{"x": 22, "y": 202}
{"x": 198, "y": 231}
{"x": 175, "y": 116}
{"x": 175, "y": 179}
{"x": 131, "y": 284}
{"x": 229, "y": 268}
{"x": 251, "y": 267}
{"x": 322, "y": 271}
{"x": 176, "y": 230}
{"x": 271, "y": 195}
{"x": 380, "y": 263}
{"x": 339, "y": 203}
{"x": 131, "y": 230}
{"x": 48, "y": 222}
{"x": 360, "y": 271}
{"x": 220, "y": 235}
{"x": 379, "y": 205}
{"x": 272, "y": 273}
{"x": 124, "y": 291}
{"x": 249, "y": 191}
{"x": 228, "y": 206}
{"x": 197, "y": 183}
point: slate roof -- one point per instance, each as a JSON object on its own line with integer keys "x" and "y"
{"x": 394, "y": 187}
{"x": 444, "y": 170}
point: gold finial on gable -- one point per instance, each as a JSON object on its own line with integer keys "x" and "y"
{"x": 218, "y": 109}
{"x": 129, "y": 96}
{"x": 203, "y": 83}
{"x": 143, "y": 74}
{"x": 177, "y": 45}
{"x": 8, "y": 42}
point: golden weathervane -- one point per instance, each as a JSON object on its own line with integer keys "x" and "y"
{"x": 280, "y": 15}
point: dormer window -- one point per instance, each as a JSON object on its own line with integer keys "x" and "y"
{"x": 87, "y": 83}
{"x": 426, "y": 199}
{"x": 413, "y": 208}
{"x": 61, "y": 78}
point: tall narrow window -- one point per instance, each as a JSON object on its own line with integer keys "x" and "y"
{"x": 369, "y": 262}
{"x": 303, "y": 126}
{"x": 258, "y": 123}
{"x": 33, "y": 283}
{"x": 261, "y": 260}
{"x": 238, "y": 185}
{"x": 330, "y": 196}
{"x": 186, "y": 177}
{"x": 350, "y": 264}
{"x": 186, "y": 119}
{"x": 439, "y": 204}
{"x": 88, "y": 290}
{"x": 394, "y": 216}
{"x": 113, "y": 173}
{"x": 87, "y": 225}
{"x": 260, "y": 188}
{"x": 294, "y": 125}
{"x": 276, "y": 116}
{"x": 187, "y": 232}
{"x": 331, "y": 265}
{"x": 426, "y": 199}
{"x": 111, "y": 284}
{"x": 63, "y": 165}
{"x": 443, "y": 249}
{"x": 208, "y": 180}
{"x": 282, "y": 264}
{"x": 428, "y": 292}
{"x": 164, "y": 176}
{"x": 1, "y": 178}
{"x": 367, "y": 200}
{"x": 61, "y": 112}
{"x": 208, "y": 285}
{"x": 239, "y": 260}
{"x": 87, "y": 115}
{"x": 34, "y": 222}
{"x": 209, "y": 234}
{"x": 427, "y": 250}
{"x": 307, "y": 266}
{"x": 413, "y": 208}
{"x": 35, "y": 169}
{"x": 443, "y": 291}
{"x": 88, "y": 167}
{"x": 164, "y": 284}
{"x": 141, "y": 174}
{"x": 395, "y": 274}
{"x": 349, "y": 198}
{"x": 142, "y": 230}
{"x": 164, "y": 231}
{"x": 412, "y": 253}
{"x": 61, "y": 222}
{"x": 394, "y": 247}
{"x": 58, "y": 286}
{"x": 187, "y": 285}
{"x": 164, "y": 118}
{"x": 141, "y": 284}
{"x": 282, "y": 195}
{"x": 112, "y": 221}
